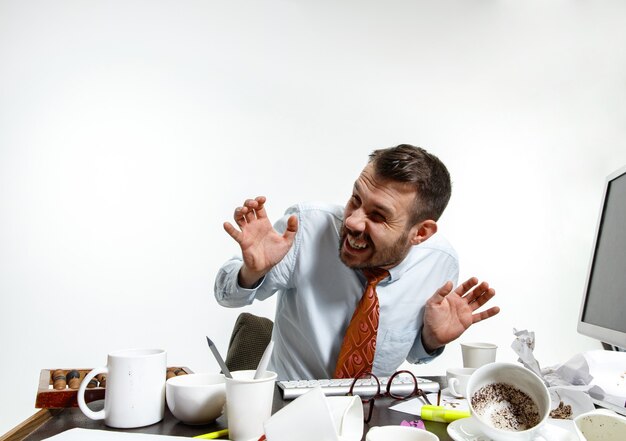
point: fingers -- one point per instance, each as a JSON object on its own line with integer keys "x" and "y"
{"x": 480, "y": 296}
{"x": 240, "y": 216}
{"x": 463, "y": 288}
{"x": 442, "y": 292}
{"x": 474, "y": 294}
{"x": 232, "y": 231}
{"x": 292, "y": 227}
{"x": 252, "y": 209}
{"x": 485, "y": 314}
{"x": 248, "y": 211}
{"x": 260, "y": 207}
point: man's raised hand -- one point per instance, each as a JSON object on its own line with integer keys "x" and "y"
{"x": 262, "y": 246}
{"x": 449, "y": 313}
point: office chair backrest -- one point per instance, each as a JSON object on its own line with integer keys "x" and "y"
{"x": 251, "y": 335}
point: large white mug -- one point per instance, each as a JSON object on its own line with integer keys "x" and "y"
{"x": 135, "y": 388}
{"x": 509, "y": 402}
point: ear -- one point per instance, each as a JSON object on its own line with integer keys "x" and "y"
{"x": 422, "y": 231}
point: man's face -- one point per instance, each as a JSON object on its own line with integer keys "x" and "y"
{"x": 376, "y": 230}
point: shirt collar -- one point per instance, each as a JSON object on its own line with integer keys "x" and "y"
{"x": 394, "y": 273}
{"x": 408, "y": 262}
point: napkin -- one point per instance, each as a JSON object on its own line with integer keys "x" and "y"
{"x": 595, "y": 374}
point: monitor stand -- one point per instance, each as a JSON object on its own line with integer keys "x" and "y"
{"x": 608, "y": 347}
{"x": 606, "y": 404}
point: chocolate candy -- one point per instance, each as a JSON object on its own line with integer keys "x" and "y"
{"x": 73, "y": 379}
{"x": 102, "y": 379}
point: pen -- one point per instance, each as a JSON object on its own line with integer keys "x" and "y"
{"x": 443, "y": 415}
{"x": 213, "y": 435}
{"x": 265, "y": 359}
{"x": 218, "y": 357}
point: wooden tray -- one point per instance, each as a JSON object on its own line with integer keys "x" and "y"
{"x": 48, "y": 398}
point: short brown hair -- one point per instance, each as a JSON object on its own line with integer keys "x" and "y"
{"x": 414, "y": 165}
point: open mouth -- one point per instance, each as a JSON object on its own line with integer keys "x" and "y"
{"x": 356, "y": 245}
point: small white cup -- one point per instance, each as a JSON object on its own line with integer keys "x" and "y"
{"x": 600, "y": 425}
{"x": 476, "y": 355}
{"x": 135, "y": 390}
{"x": 399, "y": 433}
{"x": 457, "y": 380}
{"x": 515, "y": 376}
{"x": 248, "y": 404}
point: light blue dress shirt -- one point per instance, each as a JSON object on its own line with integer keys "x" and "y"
{"x": 317, "y": 295}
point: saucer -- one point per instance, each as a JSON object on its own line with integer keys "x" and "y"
{"x": 467, "y": 429}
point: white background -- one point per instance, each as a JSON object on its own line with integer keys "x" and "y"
{"x": 130, "y": 130}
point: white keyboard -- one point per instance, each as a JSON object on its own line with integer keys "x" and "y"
{"x": 364, "y": 387}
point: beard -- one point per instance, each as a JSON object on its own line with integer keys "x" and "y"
{"x": 384, "y": 257}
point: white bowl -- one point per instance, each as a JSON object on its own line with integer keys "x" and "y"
{"x": 196, "y": 398}
{"x": 601, "y": 424}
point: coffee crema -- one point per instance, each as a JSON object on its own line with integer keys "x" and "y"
{"x": 506, "y": 407}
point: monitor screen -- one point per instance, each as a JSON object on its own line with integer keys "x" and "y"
{"x": 603, "y": 309}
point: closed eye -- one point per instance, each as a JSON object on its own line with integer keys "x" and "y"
{"x": 355, "y": 201}
{"x": 377, "y": 217}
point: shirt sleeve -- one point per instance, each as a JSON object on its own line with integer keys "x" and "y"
{"x": 417, "y": 353}
{"x": 229, "y": 293}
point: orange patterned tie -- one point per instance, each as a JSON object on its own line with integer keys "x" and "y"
{"x": 359, "y": 344}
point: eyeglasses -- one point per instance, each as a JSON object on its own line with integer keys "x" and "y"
{"x": 373, "y": 386}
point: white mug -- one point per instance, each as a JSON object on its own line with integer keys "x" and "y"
{"x": 457, "y": 380}
{"x": 135, "y": 388}
{"x": 488, "y": 408}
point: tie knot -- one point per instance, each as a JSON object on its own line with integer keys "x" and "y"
{"x": 375, "y": 275}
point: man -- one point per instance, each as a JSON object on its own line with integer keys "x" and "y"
{"x": 389, "y": 223}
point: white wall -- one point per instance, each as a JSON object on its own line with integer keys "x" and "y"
{"x": 129, "y": 131}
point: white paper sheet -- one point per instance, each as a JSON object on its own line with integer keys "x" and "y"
{"x": 104, "y": 435}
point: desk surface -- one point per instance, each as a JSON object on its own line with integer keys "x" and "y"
{"x": 47, "y": 423}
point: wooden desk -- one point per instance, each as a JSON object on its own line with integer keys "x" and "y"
{"x": 47, "y": 423}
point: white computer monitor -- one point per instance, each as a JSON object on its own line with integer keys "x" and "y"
{"x": 603, "y": 309}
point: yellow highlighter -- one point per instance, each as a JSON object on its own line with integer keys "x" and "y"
{"x": 213, "y": 435}
{"x": 443, "y": 415}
